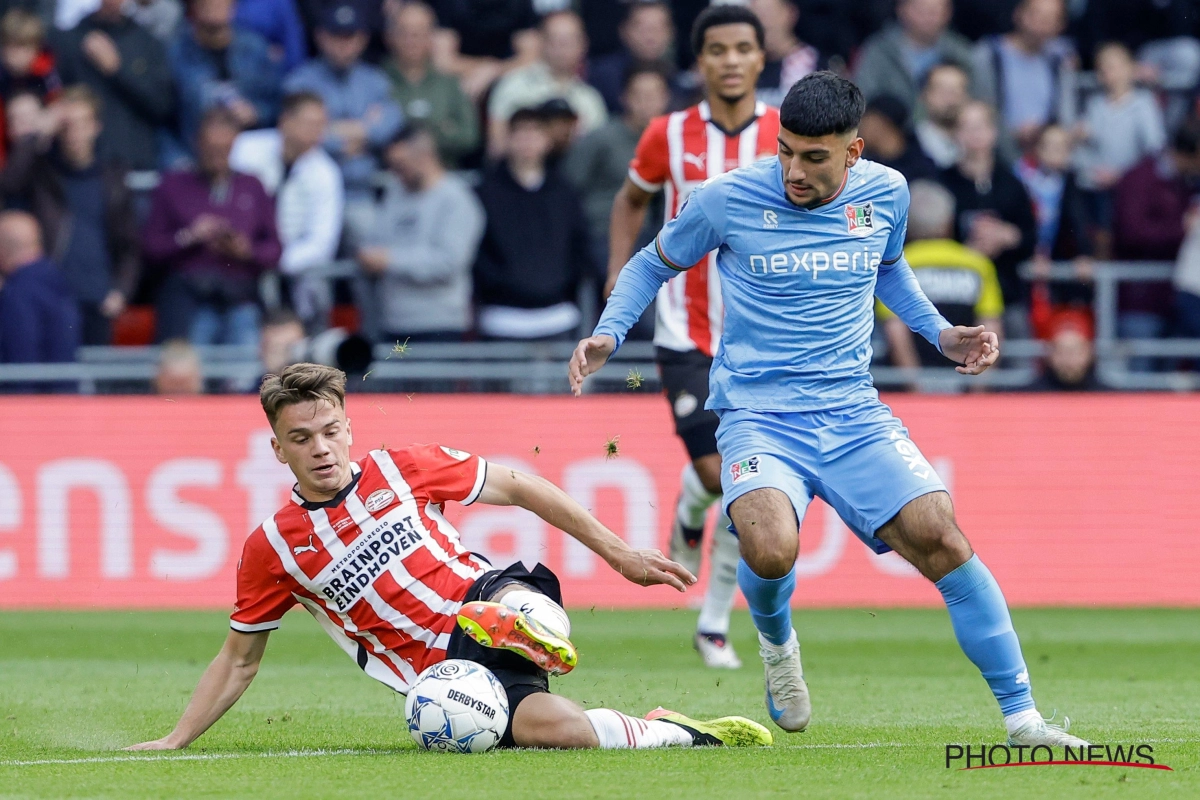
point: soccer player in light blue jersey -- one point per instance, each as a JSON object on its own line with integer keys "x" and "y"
{"x": 805, "y": 243}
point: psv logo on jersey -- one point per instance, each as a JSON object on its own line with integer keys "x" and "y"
{"x": 859, "y": 219}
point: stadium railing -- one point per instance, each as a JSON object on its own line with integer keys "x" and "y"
{"x": 540, "y": 367}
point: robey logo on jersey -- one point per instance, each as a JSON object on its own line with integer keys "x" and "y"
{"x": 815, "y": 262}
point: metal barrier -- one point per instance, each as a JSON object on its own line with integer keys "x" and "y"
{"x": 540, "y": 367}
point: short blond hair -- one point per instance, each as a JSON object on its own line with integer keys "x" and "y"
{"x": 301, "y": 383}
{"x": 20, "y": 27}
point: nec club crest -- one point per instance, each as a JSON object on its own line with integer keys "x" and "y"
{"x": 859, "y": 219}
{"x": 743, "y": 469}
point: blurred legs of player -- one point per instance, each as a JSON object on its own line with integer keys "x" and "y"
{"x": 685, "y": 383}
{"x": 903, "y": 506}
{"x": 511, "y": 624}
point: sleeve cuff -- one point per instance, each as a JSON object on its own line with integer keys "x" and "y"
{"x": 253, "y": 627}
{"x": 643, "y": 184}
{"x": 480, "y": 478}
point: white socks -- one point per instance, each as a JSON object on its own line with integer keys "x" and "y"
{"x": 694, "y": 499}
{"x": 617, "y": 731}
{"x": 540, "y": 609}
{"x": 1014, "y": 722}
{"x": 722, "y": 580}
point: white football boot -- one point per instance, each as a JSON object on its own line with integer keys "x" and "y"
{"x": 716, "y": 651}
{"x": 787, "y": 693}
{"x": 1042, "y": 731}
{"x": 685, "y": 547}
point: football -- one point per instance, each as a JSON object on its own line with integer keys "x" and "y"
{"x": 456, "y": 706}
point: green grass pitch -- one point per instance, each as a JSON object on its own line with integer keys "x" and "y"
{"x": 890, "y": 689}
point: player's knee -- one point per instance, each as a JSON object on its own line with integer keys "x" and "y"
{"x": 770, "y": 558}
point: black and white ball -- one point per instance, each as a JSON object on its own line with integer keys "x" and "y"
{"x": 457, "y": 706}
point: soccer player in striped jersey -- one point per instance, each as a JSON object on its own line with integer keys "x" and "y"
{"x": 677, "y": 152}
{"x": 364, "y": 547}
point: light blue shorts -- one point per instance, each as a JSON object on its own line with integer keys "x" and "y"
{"x": 859, "y": 460}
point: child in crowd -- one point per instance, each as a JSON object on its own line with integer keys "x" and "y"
{"x": 1062, "y": 223}
{"x": 1121, "y": 125}
{"x": 26, "y": 66}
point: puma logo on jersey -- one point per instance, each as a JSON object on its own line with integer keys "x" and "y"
{"x": 308, "y": 548}
{"x": 696, "y": 160}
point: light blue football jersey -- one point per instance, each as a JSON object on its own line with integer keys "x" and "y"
{"x": 798, "y": 284}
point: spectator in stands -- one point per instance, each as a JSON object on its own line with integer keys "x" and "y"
{"x": 788, "y": 59}
{"x": 884, "y": 129}
{"x": 896, "y": 60}
{"x": 127, "y": 69}
{"x": 179, "y": 369}
{"x": 535, "y": 246}
{"x": 556, "y": 75}
{"x": 84, "y": 209}
{"x": 25, "y": 64}
{"x": 959, "y": 281}
{"x": 993, "y": 211}
{"x": 1162, "y": 33}
{"x": 39, "y": 320}
{"x": 483, "y": 40}
{"x": 1121, "y": 126}
{"x": 598, "y": 163}
{"x": 1070, "y": 355}
{"x": 425, "y": 94}
{"x": 307, "y": 186}
{"x": 358, "y": 97}
{"x": 160, "y": 18}
{"x": 219, "y": 64}
{"x": 1028, "y": 74}
{"x": 417, "y": 243}
{"x": 25, "y": 116}
{"x": 1058, "y": 207}
{"x": 647, "y": 37}
{"x": 562, "y": 126}
{"x": 212, "y": 231}
{"x": 943, "y": 95}
{"x": 278, "y": 22}
{"x": 283, "y": 342}
{"x": 1150, "y": 205}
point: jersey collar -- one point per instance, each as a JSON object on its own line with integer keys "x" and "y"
{"x": 333, "y": 502}
{"x": 705, "y": 110}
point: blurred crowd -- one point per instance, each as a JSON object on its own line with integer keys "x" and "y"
{"x": 188, "y": 172}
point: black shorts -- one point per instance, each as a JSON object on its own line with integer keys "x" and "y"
{"x": 519, "y": 676}
{"x": 685, "y": 384}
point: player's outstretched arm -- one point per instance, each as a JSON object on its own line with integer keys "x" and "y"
{"x": 975, "y": 348}
{"x": 220, "y": 687}
{"x": 505, "y": 486}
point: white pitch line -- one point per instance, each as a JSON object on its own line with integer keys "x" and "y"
{"x": 195, "y": 757}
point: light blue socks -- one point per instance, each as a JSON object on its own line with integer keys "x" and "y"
{"x": 985, "y": 633}
{"x": 770, "y": 602}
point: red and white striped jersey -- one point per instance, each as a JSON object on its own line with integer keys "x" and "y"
{"x": 378, "y": 566}
{"x": 678, "y": 152}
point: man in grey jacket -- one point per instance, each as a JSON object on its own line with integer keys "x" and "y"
{"x": 417, "y": 241}
{"x": 895, "y": 60}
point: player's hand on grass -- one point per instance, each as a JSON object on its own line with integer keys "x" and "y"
{"x": 651, "y": 568}
{"x": 157, "y": 744}
{"x": 588, "y": 358}
{"x": 975, "y": 349}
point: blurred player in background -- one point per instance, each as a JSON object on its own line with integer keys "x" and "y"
{"x": 678, "y": 151}
{"x": 364, "y": 547}
{"x": 806, "y": 241}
